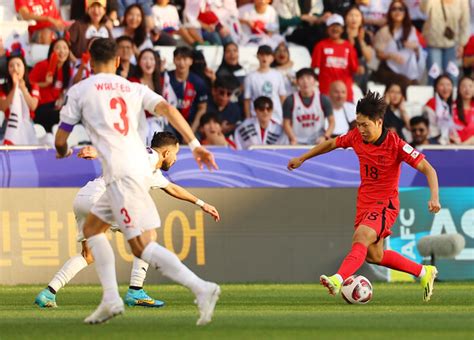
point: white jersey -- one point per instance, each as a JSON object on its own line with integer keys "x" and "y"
{"x": 269, "y": 18}
{"x": 110, "y": 108}
{"x": 308, "y": 121}
{"x": 342, "y": 118}
{"x": 269, "y": 84}
{"x": 249, "y": 133}
{"x": 166, "y": 17}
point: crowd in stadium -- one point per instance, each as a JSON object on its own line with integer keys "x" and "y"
{"x": 354, "y": 45}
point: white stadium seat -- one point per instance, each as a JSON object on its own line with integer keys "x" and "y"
{"x": 371, "y": 86}
{"x": 77, "y": 136}
{"x": 357, "y": 93}
{"x": 419, "y": 94}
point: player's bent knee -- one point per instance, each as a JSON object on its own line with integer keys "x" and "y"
{"x": 139, "y": 243}
{"x": 364, "y": 235}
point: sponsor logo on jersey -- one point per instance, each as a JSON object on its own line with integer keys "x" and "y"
{"x": 408, "y": 148}
{"x": 415, "y": 154}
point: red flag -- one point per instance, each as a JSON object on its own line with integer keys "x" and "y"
{"x": 53, "y": 63}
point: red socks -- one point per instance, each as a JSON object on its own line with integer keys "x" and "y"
{"x": 394, "y": 260}
{"x": 353, "y": 261}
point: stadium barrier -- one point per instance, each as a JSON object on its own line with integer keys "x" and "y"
{"x": 266, "y": 234}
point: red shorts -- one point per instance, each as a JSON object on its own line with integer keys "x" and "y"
{"x": 380, "y": 219}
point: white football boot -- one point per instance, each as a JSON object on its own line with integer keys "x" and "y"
{"x": 206, "y": 302}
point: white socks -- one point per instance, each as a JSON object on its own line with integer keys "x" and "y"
{"x": 423, "y": 272}
{"x": 70, "y": 269}
{"x": 138, "y": 275}
{"x": 171, "y": 267}
{"x": 104, "y": 265}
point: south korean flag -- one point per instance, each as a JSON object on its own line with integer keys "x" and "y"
{"x": 20, "y": 130}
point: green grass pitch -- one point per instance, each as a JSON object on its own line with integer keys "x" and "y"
{"x": 253, "y": 311}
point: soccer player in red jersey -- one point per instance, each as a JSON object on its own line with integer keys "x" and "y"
{"x": 380, "y": 154}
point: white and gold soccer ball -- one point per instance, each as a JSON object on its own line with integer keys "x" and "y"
{"x": 357, "y": 289}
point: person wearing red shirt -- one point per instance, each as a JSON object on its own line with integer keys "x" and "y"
{"x": 47, "y": 17}
{"x": 380, "y": 154}
{"x": 335, "y": 58}
{"x": 18, "y": 79}
{"x": 53, "y": 77}
{"x": 463, "y": 110}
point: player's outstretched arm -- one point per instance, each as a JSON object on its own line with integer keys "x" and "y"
{"x": 319, "y": 149}
{"x": 60, "y": 144}
{"x": 176, "y": 119}
{"x": 425, "y": 167}
{"x": 182, "y": 194}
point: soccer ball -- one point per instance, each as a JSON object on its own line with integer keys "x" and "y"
{"x": 356, "y": 289}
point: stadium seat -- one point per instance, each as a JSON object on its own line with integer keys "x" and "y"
{"x": 419, "y": 94}
{"x": 7, "y": 11}
{"x": 357, "y": 92}
{"x": 77, "y": 137}
{"x": 374, "y": 87}
{"x": 247, "y": 56}
{"x": 35, "y": 53}
{"x": 39, "y": 131}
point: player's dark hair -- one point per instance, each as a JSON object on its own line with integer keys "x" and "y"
{"x": 305, "y": 71}
{"x": 419, "y": 120}
{"x": 103, "y": 50}
{"x": 161, "y": 139}
{"x": 262, "y": 102}
{"x": 209, "y": 117}
{"x": 373, "y": 105}
{"x": 183, "y": 51}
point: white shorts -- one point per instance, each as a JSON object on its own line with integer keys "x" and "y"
{"x": 128, "y": 202}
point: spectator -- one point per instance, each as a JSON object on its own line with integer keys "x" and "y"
{"x": 145, "y": 5}
{"x": 134, "y": 26}
{"x": 230, "y": 64}
{"x": 302, "y": 25}
{"x": 199, "y": 67}
{"x": 398, "y": 48}
{"x": 82, "y": 68}
{"x": 283, "y": 64}
{"x": 166, "y": 20}
{"x": 335, "y": 58}
{"x": 420, "y": 132}
{"x": 92, "y": 25}
{"x": 468, "y": 57}
{"x": 305, "y": 111}
{"x": 189, "y": 89}
{"x": 266, "y": 82}
{"x": 344, "y": 112}
{"x": 125, "y": 51}
{"x": 439, "y": 111}
{"x": 355, "y": 33}
{"x": 219, "y": 103}
{"x": 446, "y": 31}
{"x": 201, "y": 19}
{"x": 17, "y": 80}
{"x": 417, "y": 16}
{"x": 396, "y": 117}
{"x": 53, "y": 76}
{"x": 260, "y": 130}
{"x": 259, "y": 24}
{"x": 337, "y": 6}
{"x": 78, "y": 10}
{"x": 463, "y": 110}
{"x": 3, "y": 61}
{"x": 49, "y": 24}
{"x": 374, "y": 12}
{"x": 149, "y": 74}
{"x": 210, "y": 129}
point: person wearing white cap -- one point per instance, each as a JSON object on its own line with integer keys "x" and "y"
{"x": 335, "y": 58}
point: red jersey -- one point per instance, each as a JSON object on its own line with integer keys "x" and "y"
{"x": 379, "y": 166}
{"x": 44, "y": 8}
{"x": 335, "y": 62}
{"x": 34, "y": 93}
{"x": 38, "y": 75}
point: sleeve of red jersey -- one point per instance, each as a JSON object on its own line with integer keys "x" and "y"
{"x": 409, "y": 154}
{"x": 346, "y": 140}
{"x": 316, "y": 57}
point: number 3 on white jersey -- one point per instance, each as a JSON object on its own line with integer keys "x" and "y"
{"x": 114, "y": 103}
